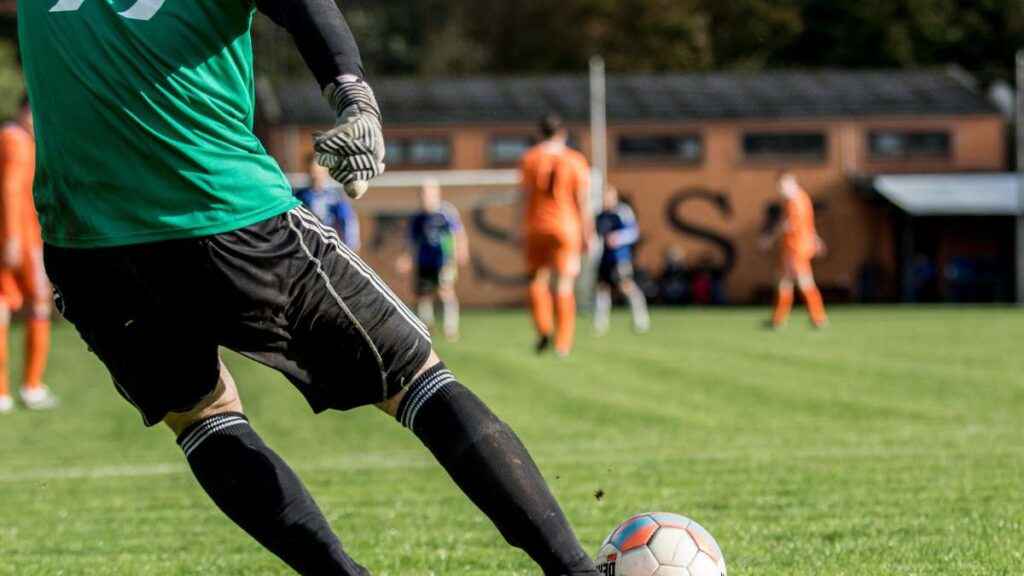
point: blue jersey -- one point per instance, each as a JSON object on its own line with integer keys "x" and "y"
{"x": 432, "y": 235}
{"x": 619, "y": 232}
{"x": 331, "y": 207}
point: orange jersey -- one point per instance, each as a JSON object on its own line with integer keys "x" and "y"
{"x": 552, "y": 176}
{"x": 800, "y": 236}
{"x": 18, "y": 217}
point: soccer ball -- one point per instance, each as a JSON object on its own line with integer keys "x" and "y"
{"x": 660, "y": 544}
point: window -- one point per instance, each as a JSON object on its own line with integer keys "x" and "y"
{"x": 680, "y": 148}
{"x": 899, "y": 145}
{"x": 785, "y": 145}
{"x": 426, "y": 151}
{"x": 509, "y": 149}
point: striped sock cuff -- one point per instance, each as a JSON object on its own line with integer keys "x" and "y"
{"x": 421, "y": 390}
{"x": 197, "y": 433}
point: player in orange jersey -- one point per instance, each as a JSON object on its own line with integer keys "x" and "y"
{"x": 22, "y": 277}
{"x": 558, "y": 226}
{"x": 800, "y": 244}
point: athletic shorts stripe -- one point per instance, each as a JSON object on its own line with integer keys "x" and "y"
{"x": 310, "y": 222}
{"x": 368, "y": 272}
{"x": 337, "y": 297}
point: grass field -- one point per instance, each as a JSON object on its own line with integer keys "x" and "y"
{"x": 891, "y": 444}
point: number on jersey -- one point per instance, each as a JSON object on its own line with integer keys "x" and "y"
{"x": 141, "y": 10}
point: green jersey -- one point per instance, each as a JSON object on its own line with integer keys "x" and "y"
{"x": 144, "y": 115}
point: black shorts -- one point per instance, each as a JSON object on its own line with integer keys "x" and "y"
{"x": 614, "y": 272}
{"x": 285, "y": 292}
{"x": 429, "y": 280}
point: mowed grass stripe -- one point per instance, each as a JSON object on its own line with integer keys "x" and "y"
{"x": 890, "y": 444}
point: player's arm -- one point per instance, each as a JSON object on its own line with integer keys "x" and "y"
{"x": 461, "y": 238}
{"x": 628, "y": 233}
{"x": 820, "y": 248}
{"x": 354, "y": 149}
{"x": 13, "y": 167}
{"x": 353, "y": 231}
{"x": 770, "y": 236}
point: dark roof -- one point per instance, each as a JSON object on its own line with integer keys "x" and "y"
{"x": 649, "y": 97}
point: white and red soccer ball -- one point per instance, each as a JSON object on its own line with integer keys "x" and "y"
{"x": 660, "y": 544}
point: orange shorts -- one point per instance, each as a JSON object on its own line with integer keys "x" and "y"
{"x": 795, "y": 265}
{"x": 28, "y": 281}
{"x": 554, "y": 251}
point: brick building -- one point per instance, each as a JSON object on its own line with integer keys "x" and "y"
{"x": 697, "y": 155}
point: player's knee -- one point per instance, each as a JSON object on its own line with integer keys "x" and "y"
{"x": 390, "y": 406}
{"x": 786, "y": 285}
{"x": 224, "y": 399}
{"x": 5, "y": 314}
{"x": 566, "y": 284}
{"x": 40, "y": 310}
{"x": 806, "y": 282}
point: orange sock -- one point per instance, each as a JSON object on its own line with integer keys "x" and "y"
{"x": 815, "y": 305}
{"x": 783, "y": 305}
{"x": 5, "y": 389}
{"x": 566, "y": 331}
{"x": 37, "y": 349}
{"x": 543, "y": 308}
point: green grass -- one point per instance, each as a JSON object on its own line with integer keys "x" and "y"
{"x": 891, "y": 444}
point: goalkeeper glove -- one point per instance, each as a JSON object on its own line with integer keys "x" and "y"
{"x": 353, "y": 151}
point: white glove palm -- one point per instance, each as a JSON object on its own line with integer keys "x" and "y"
{"x": 353, "y": 151}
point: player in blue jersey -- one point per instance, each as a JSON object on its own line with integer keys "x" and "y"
{"x": 618, "y": 233}
{"x": 329, "y": 203}
{"x": 438, "y": 245}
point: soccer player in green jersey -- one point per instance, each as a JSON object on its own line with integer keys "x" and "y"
{"x": 149, "y": 178}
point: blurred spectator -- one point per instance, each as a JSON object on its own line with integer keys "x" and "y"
{"x": 924, "y": 279}
{"x": 327, "y": 201}
{"x": 438, "y": 246}
{"x": 674, "y": 284}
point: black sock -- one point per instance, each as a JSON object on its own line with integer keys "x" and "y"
{"x": 256, "y": 489}
{"x": 490, "y": 464}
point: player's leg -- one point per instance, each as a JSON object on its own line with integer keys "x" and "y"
{"x": 542, "y": 305}
{"x": 6, "y": 401}
{"x": 811, "y": 294}
{"x": 151, "y": 323}
{"x": 567, "y": 262}
{"x": 425, "y": 288}
{"x": 254, "y": 487}
{"x": 491, "y": 465}
{"x": 635, "y": 296}
{"x": 425, "y": 309}
{"x": 602, "y": 307}
{"x": 637, "y": 306}
{"x": 449, "y": 306}
{"x": 348, "y": 318}
{"x": 784, "y": 294}
{"x": 34, "y": 393}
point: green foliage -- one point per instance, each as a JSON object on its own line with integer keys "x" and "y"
{"x": 889, "y": 444}
{"x": 541, "y": 36}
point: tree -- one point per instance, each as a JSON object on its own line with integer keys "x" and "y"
{"x": 431, "y": 37}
